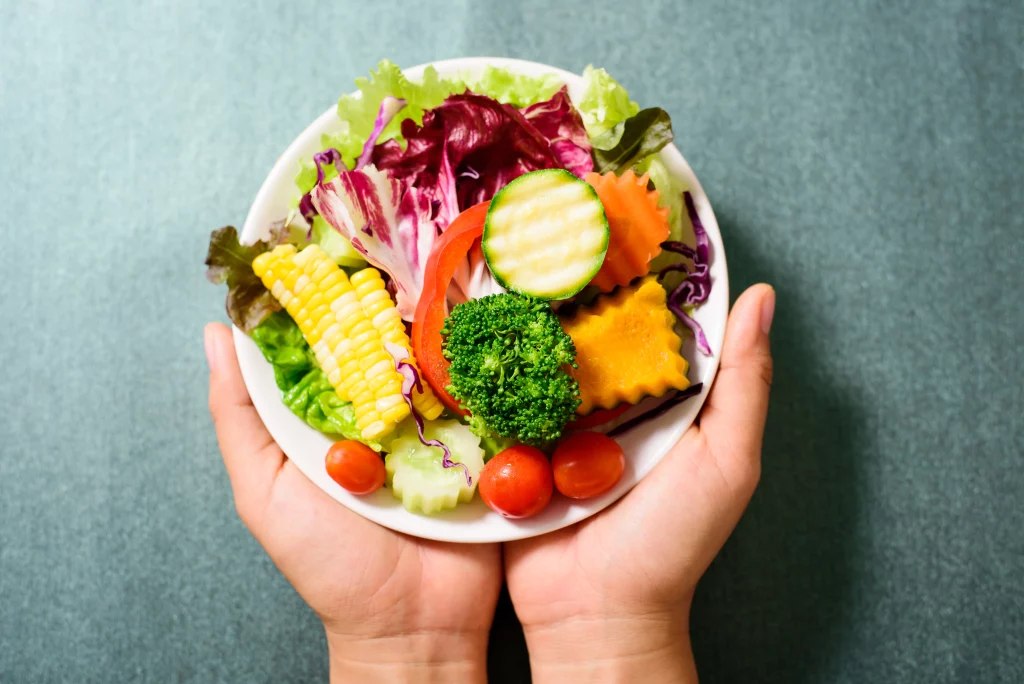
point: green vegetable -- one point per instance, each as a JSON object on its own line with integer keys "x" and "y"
{"x": 642, "y": 135}
{"x": 604, "y": 106}
{"x": 416, "y": 475}
{"x": 493, "y": 445}
{"x": 514, "y": 89}
{"x": 509, "y": 359}
{"x": 304, "y": 387}
{"x": 546, "y": 234}
{"x": 229, "y": 261}
{"x": 360, "y": 112}
{"x": 336, "y": 245}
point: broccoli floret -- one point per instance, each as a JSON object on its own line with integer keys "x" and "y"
{"x": 509, "y": 367}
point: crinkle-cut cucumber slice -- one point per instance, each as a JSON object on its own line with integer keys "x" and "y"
{"x": 415, "y": 471}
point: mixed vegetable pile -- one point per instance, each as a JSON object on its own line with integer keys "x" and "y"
{"x": 476, "y": 274}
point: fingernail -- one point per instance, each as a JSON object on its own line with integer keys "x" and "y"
{"x": 210, "y": 342}
{"x": 767, "y": 311}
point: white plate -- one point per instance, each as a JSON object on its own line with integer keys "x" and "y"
{"x": 474, "y": 522}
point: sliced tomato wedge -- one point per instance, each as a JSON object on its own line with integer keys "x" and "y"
{"x": 449, "y": 252}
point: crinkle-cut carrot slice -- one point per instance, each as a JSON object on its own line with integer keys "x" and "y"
{"x": 637, "y": 225}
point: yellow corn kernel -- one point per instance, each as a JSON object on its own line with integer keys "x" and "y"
{"x": 323, "y": 303}
{"x": 383, "y": 314}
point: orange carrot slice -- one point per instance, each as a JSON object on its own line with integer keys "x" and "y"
{"x": 637, "y": 227}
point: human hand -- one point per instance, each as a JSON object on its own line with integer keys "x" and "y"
{"x": 609, "y": 599}
{"x": 395, "y": 608}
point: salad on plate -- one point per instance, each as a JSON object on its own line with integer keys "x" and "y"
{"x": 478, "y": 280}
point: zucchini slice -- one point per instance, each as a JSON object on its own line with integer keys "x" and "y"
{"x": 546, "y": 235}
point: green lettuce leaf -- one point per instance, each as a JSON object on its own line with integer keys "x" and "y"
{"x": 359, "y": 112}
{"x": 642, "y": 135}
{"x": 514, "y": 89}
{"x": 604, "y": 106}
{"x": 304, "y": 387}
{"x": 336, "y": 245}
{"x": 228, "y": 261}
{"x": 670, "y": 194}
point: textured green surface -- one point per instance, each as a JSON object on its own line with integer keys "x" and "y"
{"x": 865, "y": 157}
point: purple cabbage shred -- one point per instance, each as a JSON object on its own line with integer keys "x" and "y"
{"x": 389, "y": 106}
{"x": 328, "y": 156}
{"x": 674, "y": 400}
{"x": 696, "y": 286}
{"x": 411, "y": 381}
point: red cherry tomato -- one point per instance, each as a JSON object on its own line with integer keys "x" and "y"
{"x": 356, "y": 467}
{"x": 586, "y": 464}
{"x": 517, "y": 482}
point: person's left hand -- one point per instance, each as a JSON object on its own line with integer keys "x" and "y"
{"x": 395, "y": 608}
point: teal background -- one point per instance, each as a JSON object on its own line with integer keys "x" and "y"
{"x": 865, "y": 157}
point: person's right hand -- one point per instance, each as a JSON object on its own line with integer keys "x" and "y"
{"x": 609, "y": 599}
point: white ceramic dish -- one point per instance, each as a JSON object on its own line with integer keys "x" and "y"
{"x": 474, "y": 523}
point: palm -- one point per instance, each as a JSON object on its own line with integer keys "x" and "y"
{"x": 354, "y": 572}
{"x": 685, "y": 509}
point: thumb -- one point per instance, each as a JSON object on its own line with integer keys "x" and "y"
{"x": 251, "y": 455}
{"x": 734, "y": 417}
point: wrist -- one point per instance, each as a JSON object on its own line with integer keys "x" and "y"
{"x": 606, "y": 649}
{"x": 422, "y": 656}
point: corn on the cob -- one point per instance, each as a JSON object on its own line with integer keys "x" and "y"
{"x": 383, "y": 314}
{"x": 319, "y": 297}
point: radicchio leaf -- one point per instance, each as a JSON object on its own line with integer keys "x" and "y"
{"x": 559, "y": 122}
{"x": 393, "y": 230}
{"x": 487, "y": 144}
{"x": 389, "y": 106}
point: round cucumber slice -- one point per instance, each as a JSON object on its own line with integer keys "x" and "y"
{"x": 546, "y": 235}
{"x": 415, "y": 473}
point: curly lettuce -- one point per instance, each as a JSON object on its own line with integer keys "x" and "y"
{"x": 514, "y": 89}
{"x": 604, "y": 106}
{"x": 305, "y": 389}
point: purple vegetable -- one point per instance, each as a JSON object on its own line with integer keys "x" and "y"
{"x": 703, "y": 243}
{"x": 680, "y": 248}
{"x": 485, "y": 144}
{"x": 389, "y": 106}
{"x": 696, "y": 287}
{"x": 328, "y": 156}
{"x": 392, "y": 229}
{"x": 694, "y": 326}
{"x": 674, "y": 400}
{"x": 558, "y": 121}
{"x": 411, "y": 381}
{"x": 308, "y": 211}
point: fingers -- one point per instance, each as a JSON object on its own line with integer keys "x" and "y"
{"x": 734, "y": 417}
{"x": 250, "y": 454}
